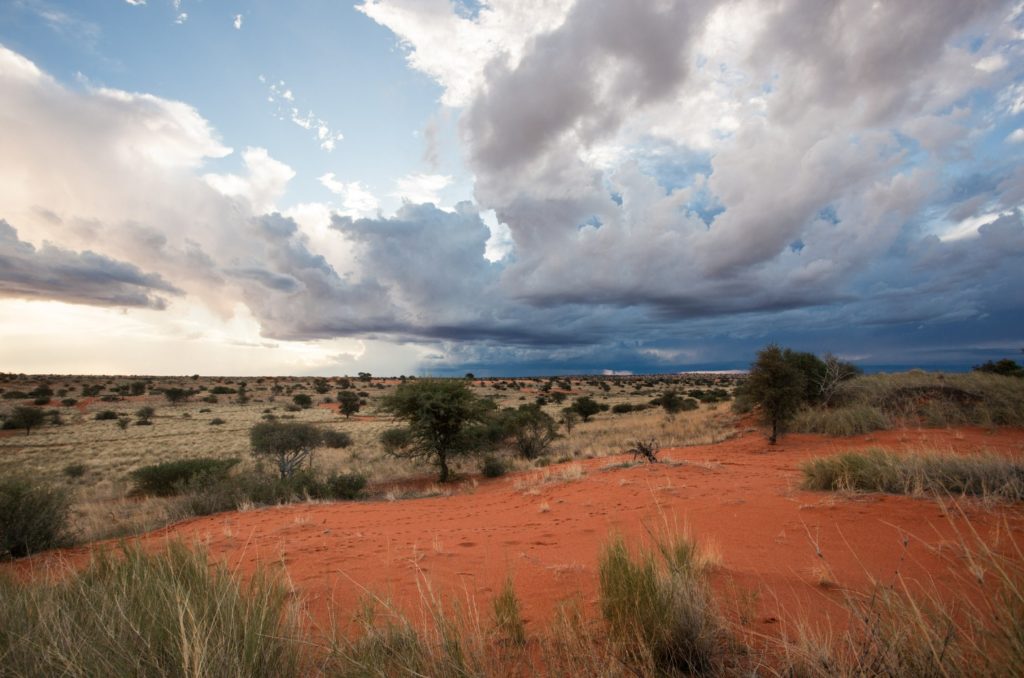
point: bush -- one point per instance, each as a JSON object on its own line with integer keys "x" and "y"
{"x": 336, "y": 440}
{"x": 217, "y": 421}
{"x": 622, "y": 408}
{"x": 75, "y": 470}
{"x": 33, "y": 517}
{"x": 493, "y": 467}
{"x": 344, "y": 485}
{"x": 303, "y": 400}
{"x": 106, "y": 415}
{"x": 171, "y": 477}
{"x": 68, "y": 402}
{"x": 586, "y": 407}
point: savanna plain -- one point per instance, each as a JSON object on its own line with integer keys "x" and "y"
{"x": 596, "y": 525}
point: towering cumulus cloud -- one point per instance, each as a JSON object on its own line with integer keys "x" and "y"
{"x": 676, "y": 180}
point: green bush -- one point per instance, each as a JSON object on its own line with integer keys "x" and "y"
{"x": 622, "y": 408}
{"x": 106, "y": 415}
{"x": 493, "y": 467}
{"x": 344, "y": 485}
{"x": 336, "y": 440}
{"x": 169, "y": 478}
{"x": 75, "y": 470}
{"x": 33, "y": 518}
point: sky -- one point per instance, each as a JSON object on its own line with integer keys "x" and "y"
{"x": 508, "y": 187}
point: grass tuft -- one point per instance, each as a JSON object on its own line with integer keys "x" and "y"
{"x": 878, "y": 470}
{"x": 131, "y": 614}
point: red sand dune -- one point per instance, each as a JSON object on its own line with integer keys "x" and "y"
{"x": 739, "y": 496}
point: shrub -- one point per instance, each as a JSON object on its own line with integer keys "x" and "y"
{"x": 493, "y": 467}
{"x": 217, "y": 421}
{"x": 303, "y": 400}
{"x": 33, "y": 517}
{"x": 75, "y": 470}
{"x": 336, "y": 439}
{"x": 344, "y": 485}
{"x": 171, "y": 477}
{"x": 106, "y": 415}
{"x": 68, "y": 402}
{"x": 622, "y": 408}
{"x": 145, "y": 414}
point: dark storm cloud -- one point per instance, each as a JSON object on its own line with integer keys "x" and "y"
{"x": 75, "y": 277}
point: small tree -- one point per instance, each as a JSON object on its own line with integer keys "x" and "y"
{"x": 145, "y": 415}
{"x": 586, "y": 407}
{"x": 348, "y": 403}
{"x": 287, "y": 443}
{"x": 303, "y": 400}
{"x": 778, "y": 386}
{"x": 27, "y": 417}
{"x": 531, "y": 429}
{"x": 437, "y": 413}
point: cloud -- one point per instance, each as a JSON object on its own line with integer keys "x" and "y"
{"x": 264, "y": 183}
{"x": 655, "y": 183}
{"x": 181, "y": 18}
{"x": 237, "y": 22}
{"x": 422, "y": 188}
{"x": 76, "y": 277}
{"x": 356, "y": 199}
{"x": 284, "y": 99}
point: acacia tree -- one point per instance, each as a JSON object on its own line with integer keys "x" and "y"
{"x": 288, "y": 443}
{"x": 27, "y": 417}
{"x": 438, "y": 414}
{"x": 586, "y": 407}
{"x": 778, "y": 386}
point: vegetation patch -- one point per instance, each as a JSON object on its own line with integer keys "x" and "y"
{"x": 878, "y": 470}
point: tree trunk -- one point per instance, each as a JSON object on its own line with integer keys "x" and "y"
{"x": 442, "y": 462}
{"x": 775, "y": 432}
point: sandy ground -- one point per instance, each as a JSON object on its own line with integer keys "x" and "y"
{"x": 784, "y": 553}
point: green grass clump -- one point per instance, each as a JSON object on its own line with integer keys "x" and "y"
{"x": 508, "y": 620}
{"x": 134, "y": 614}
{"x": 33, "y": 517}
{"x": 660, "y": 610}
{"x": 878, "y": 470}
{"x": 848, "y": 420}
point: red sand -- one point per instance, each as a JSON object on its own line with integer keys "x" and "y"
{"x": 741, "y": 499}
